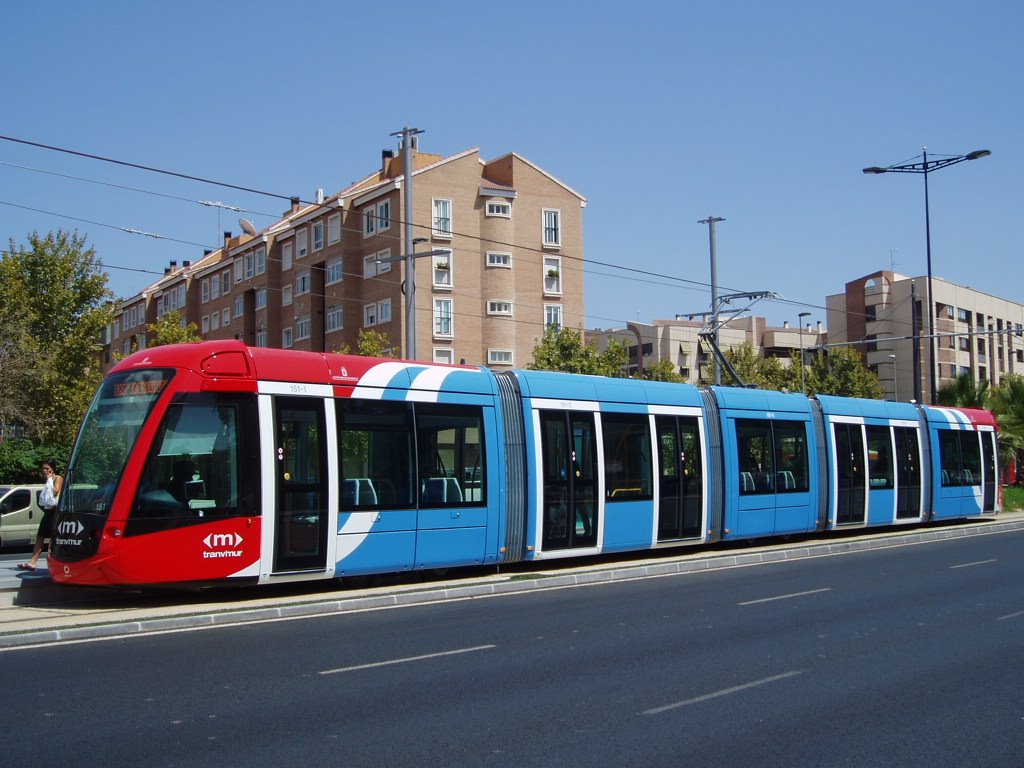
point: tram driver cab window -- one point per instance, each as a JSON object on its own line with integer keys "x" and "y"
{"x": 193, "y": 471}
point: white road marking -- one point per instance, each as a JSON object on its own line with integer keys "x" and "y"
{"x": 406, "y": 660}
{"x": 968, "y": 565}
{"x": 786, "y": 597}
{"x": 725, "y": 692}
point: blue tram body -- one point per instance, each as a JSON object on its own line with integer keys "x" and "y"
{"x": 305, "y": 465}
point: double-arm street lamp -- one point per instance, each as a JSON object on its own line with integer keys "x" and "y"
{"x": 924, "y": 166}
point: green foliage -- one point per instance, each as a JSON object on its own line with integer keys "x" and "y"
{"x": 963, "y": 391}
{"x": 20, "y": 460}
{"x": 371, "y": 343}
{"x": 663, "y": 370}
{"x": 170, "y": 330}
{"x": 842, "y": 372}
{"x": 1006, "y": 401}
{"x": 54, "y": 307}
{"x": 563, "y": 350}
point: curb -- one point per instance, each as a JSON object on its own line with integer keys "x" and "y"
{"x": 540, "y": 580}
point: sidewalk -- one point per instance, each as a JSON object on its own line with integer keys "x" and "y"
{"x": 39, "y": 611}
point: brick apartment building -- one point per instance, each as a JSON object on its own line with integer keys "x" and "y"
{"x": 508, "y": 262}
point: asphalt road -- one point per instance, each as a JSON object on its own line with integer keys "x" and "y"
{"x": 909, "y": 656}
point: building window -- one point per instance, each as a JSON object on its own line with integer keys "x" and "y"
{"x": 286, "y": 296}
{"x": 239, "y": 306}
{"x": 261, "y": 260}
{"x": 369, "y": 315}
{"x": 552, "y": 227}
{"x": 443, "y": 317}
{"x": 442, "y": 269}
{"x": 499, "y": 307}
{"x": 373, "y": 266}
{"x": 215, "y": 321}
{"x": 335, "y": 271}
{"x": 444, "y": 355}
{"x": 334, "y": 228}
{"x": 384, "y": 311}
{"x": 286, "y": 338}
{"x": 553, "y": 316}
{"x": 261, "y": 337}
{"x": 383, "y": 215}
{"x": 499, "y": 357}
{"x": 225, "y": 317}
{"x": 214, "y": 289}
{"x": 225, "y": 282}
{"x": 302, "y": 283}
{"x": 204, "y": 291}
{"x": 238, "y": 270}
{"x": 552, "y": 274}
{"x": 261, "y": 298}
{"x": 318, "y": 236}
{"x": 499, "y": 260}
{"x": 499, "y": 209}
{"x": 250, "y": 266}
{"x": 442, "y": 217}
{"x": 286, "y": 256}
{"x": 301, "y": 243}
{"x": 204, "y": 325}
{"x": 303, "y": 327}
{"x": 335, "y": 319}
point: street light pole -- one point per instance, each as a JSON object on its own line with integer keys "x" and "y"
{"x": 924, "y": 167}
{"x": 895, "y": 382}
{"x": 711, "y": 221}
{"x": 800, "y": 320}
{"x": 406, "y": 135}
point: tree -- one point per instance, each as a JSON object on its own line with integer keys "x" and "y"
{"x": 963, "y": 391}
{"x": 563, "y": 350}
{"x": 663, "y": 370}
{"x": 54, "y": 308}
{"x": 171, "y": 329}
{"x": 371, "y": 343}
{"x": 842, "y": 372}
{"x": 1007, "y": 403}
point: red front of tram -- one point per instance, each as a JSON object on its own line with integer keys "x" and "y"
{"x": 163, "y": 484}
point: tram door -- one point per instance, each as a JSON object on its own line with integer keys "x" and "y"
{"x": 569, "y": 475}
{"x": 989, "y": 477}
{"x": 850, "y": 493}
{"x": 908, "y": 474}
{"x": 301, "y": 463}
{"x": 680, "y": 482}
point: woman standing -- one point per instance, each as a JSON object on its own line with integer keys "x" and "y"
{"x": 48, "y": 501}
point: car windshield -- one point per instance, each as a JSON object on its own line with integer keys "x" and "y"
{"x": 109, "y": 431}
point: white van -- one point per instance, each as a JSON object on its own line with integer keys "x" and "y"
{"x": 20, "y": 514}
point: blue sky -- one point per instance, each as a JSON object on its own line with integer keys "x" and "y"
{"x": 660, "y": 113}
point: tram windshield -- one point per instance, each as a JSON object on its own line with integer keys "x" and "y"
{"x": 109, "y": 431}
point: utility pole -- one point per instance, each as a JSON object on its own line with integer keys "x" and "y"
{"x": 406, "y": 135}
{"x": 711, "y": 221}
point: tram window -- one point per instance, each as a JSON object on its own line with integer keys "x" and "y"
{"x": 970, "y": 456}
{"x": 450, "y": 456}
{"x": 880, "y": 464}
{"x": 194, "y": 471}
{"x": 772, "y": 456}
{"x": 790, "y": 456}
{"x": 376, "y": 454}
{"x": 627, "y": 456}
{"x": 960, "y": 457}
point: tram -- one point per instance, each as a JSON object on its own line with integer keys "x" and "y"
{"x": 215, "y": 462}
